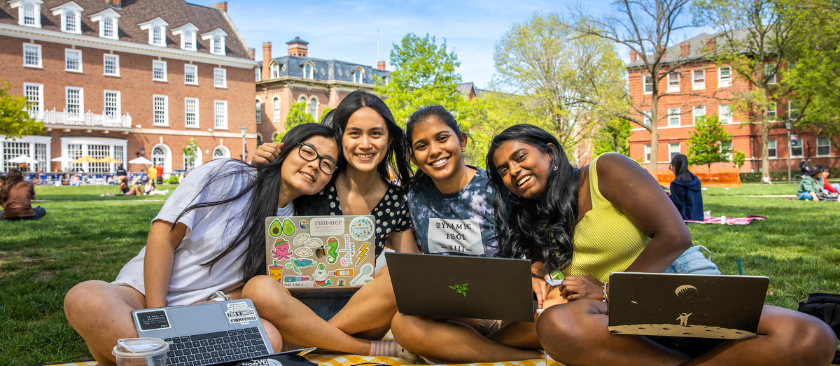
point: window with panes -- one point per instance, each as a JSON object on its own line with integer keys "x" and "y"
{"x": 793, "y": 109}
{"x": 220, "y": 78}
{"x": 119, "y": 154}
{"x": 73, "y": 60}
{"x": 771, "y": 110}
{"x": 108, "y": 28}
{"x": 259, "y": 111}
{"x": 217, "y": 45}
{"x": 98, "y": 152}
{"x": 74, "y": 151}
{"x": 276, "y": 109}
{"x": 112, "y": 105}
{"x": 111, "y": 65}
{"x": 12, "y": 150}
{"x": 771, "y": 148}
{"x": 823, "y": 146}
{"x": 33, "y": 93}
{"x": 726, "y": 145}
{"x": 796, "y": 148}
{"x": 157, "y": 36}
{"x": 673, "y": 117}
{"x": 647, "y": 117}
{"x": 29, "y": 14}
{"x": 647, "y": 82}
{"x": 189, "y": 162}
{"x": 219, "y": 153}
{"x": 699, "y": 111}
{"x": 160, "y": 114}
{"x": 159, "y": 70}
{"x": 673, "y": 150}
{"x": 41, "y": 156}
{"x": 769, "y": 73}
{"x": 159, "y": 156}
{"x": 70, "y": 21}
{"x": 647, "y": 153}
{"x": 725, "y": 113}
{"x": 191, "y": 112}
{"x": 74, "y": 102}
{"x": 32, "y": 55}
{"x": 189, "y": 40}
{"x": 313, "y": 108}
{"x": 220, "y": 110}
{"x": 191, "y": 74}
{"x": 699, "y": 79}
{"x": 673, "y": 82}
{"x": 724, "y": 76}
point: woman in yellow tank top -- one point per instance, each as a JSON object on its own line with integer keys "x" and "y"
{"x": 608, "y": 217}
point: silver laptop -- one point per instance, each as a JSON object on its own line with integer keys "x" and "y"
{"x": 680, "y": 305}
{"x": 206, "y": 334}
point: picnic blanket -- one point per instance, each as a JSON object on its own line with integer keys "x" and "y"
{"x": 348, "y": 360}
{"x": 723, "y": 220}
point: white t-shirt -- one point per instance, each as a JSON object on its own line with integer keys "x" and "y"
{"x": 209, "y": 231}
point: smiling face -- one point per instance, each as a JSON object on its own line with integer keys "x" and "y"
{"x": 302, "y": 177}
{"x": 436, "y": 149}
{"x": 365, "y": 140}
{"x": 524, "y": 168}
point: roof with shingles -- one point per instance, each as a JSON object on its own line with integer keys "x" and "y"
{"x": 134, "y": 12}
{"x": 326, "y": 70}
{"x": 697, "y": 48}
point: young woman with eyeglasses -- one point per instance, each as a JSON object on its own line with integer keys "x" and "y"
{"x": 373, "y": 147}
{"x": 208, "y": 237}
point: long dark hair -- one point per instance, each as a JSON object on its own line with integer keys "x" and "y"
{"x": 815, "y": 171}
{"x": 542, "y": 228}
{"x": 422, "y": 115}
{"x": 13, "y": 177}
{"x": 680, "y": 166}
{"x": 264, "y": 184}
{"x": 397, "y": 156}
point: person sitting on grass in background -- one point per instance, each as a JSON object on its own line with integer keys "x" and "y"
{"x": 16, "y": 199}
{"x": 810, "y": 185}
{"x": 208, "y": 237}
{"x": 685, "y": 190}
{"x": 65, "y": 179}
{"x": 150, "y": 189}
{"x": 584, "y": 224}
{"x": 124, "y": 190}
{"x": 831, "y": 188}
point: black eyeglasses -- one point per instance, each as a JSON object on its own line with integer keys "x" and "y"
{"x": 308, "y": 153}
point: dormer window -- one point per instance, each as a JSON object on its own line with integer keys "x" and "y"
{"x": 275, "y": 71}
{"x": 108, "y": 23}
{"x": 157, "y": 31}
{"x": 308, "y": 70}
{"x": 217, "y": 41}
{"x": 71, "y": 14}
{"x": 29, "y": 12}
{"x": 359, "y": 76}
{"x": 187, "y": 33}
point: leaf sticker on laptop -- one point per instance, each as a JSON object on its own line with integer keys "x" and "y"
{"x": 461, "y": 289}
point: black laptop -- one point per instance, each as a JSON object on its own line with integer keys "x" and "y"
{"x": 462, "y": 287}
{"x": 680, "y": 305}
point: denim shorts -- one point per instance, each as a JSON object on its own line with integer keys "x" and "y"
{"x": 692, "y": 261}
{"x": 324, "y": 303}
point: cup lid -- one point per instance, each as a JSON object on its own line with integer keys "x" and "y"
{"x": 140, "y": 347}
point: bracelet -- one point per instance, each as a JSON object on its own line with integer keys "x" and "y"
{"x": 219, "y": 296}
{"x": 606, "y": 295}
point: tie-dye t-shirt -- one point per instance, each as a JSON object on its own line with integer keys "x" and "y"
{"x": 461, "y": 223}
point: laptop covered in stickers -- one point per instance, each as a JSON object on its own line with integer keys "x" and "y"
{"x": 320, "y": 252}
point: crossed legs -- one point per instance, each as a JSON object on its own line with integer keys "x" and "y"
{"x": 577, "y": 334}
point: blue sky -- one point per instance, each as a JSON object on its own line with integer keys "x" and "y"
{"x": 347, "y": 30}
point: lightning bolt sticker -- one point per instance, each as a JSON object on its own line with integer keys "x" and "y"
{"x": 362, "y": 253}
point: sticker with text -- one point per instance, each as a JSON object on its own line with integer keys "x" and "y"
{"x": 361, "y": 228}
{"x": 327, "y": 226}
{"x": 240, "y": 312}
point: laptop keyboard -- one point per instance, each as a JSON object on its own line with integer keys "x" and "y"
{"x": 216, "y": 347}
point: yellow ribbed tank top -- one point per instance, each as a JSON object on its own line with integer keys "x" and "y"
{"x": 605, "y": 240}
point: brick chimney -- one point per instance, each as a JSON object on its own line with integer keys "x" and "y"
{"x": 380, "y": 65}
{"x": 633, "y": 55}
{"x": 114, "y": 3}
{"x": 685, "y": 49}
{"x": 222, "y": 6}
{"x": 711, "y": 44}
{"x": 266, "y": 70}
{"x": 252, "y": 52}
{"x": 297, "y": 47}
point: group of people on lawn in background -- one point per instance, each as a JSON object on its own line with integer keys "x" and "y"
{"x": 815, "y": 185}
{"x": 585, "y": 223}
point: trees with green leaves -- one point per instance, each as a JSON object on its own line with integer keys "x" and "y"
{"x": 706, "y": 142}
{"x": 190, "y": 152}
{"x": 15, "y": 120}
{"x": 424, "y": 74}
{"x": 756, "y": 38}
{"x": 738, "y": 158}
{"x": 613, "y": 136}
{"x": 564, "y": 76}
{"x": 297, "y": 116}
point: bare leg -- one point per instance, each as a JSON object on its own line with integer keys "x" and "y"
{"x": 372, "y": 307}
{"x": 101, "y": 313}
{"x": 295, "y": 321}
{"x": 135, "y": 191}
{"x": 524, "y": 335}
{"x": 450, "y": 341}
{"x": 577, "y": 334}
{"x": 274, "y": 336}
{"x": 785, "y": 337}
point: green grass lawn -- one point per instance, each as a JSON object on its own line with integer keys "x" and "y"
{"x": 85, "y": 236}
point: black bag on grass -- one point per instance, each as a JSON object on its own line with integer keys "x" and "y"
{"x": 825, "y": 307}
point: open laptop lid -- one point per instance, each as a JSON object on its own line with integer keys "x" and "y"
{"x": 680, "y": 305}
{"x": 462, "y": 286}
{"x": 317, "y": 252}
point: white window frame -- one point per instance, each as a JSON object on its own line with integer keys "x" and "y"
{"x": 216, "y": 73}
{"x": 275, "y": 107}
{"x": 187, "y": 100}
{"x": 216, "y": 36}
{"x": 311, "y": 70}
{"x": 694, "y": 114}
{"x": 224, "y": 122}
{"x": 723, "y": 83}
{"x": 727, "y": 145}
{"x": 313, "y": 107}
{"x": 671, "y": 150}
{"x": 767, "y": 67}
{"x": 258, "y": 106}
{"x": 81, "y": 100}
{"x": 725, "y": 118}
{"x": 39, "y": 113}
{"x": 189, "y": 36}
{"x": 790, "y": 109}
{"x": 647, "y": 117}
{"x": 78, "y": 53}
{"x": 165, "y": 122}
{"x": 40, "y": 58}
{"x": 671, "y": 87}
{"x": 225, "y": 152}
{"x": 116, "y": 58}
{"x": 647, "y": 153}
{"x": 66, "y": 9}
{"x": 257, "y": 74}
{"x": 275, "y": 71}
{"x": 105, "y": 103}
{"x": 827, "y": 145}
{"x": 674, "y": 116}
{"x": 772, "y": 145}
{"x": 150, "y": 26}
{"x": 694, "y": 84}
{"x": 36, "y": 12}
{"x": 799, "y": 145}
{"x": 159, "y": 63}
{"x": 194, "y": 68}
{"x": 645, "y": 83}
{"x": 102, "y": 17}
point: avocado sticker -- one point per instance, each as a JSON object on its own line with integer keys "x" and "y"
{"x": 275, "y": 229}
{"x": 288, "y": 227}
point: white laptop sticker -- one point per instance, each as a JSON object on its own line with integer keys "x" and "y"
{"x": 453, "y": 235}
{"x": 327, "y": 226}
{"x": 240, "y": 312}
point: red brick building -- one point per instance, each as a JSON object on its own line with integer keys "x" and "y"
{"x": 709, "y": 86}
{"x": 296, "y": 77}
{"x": 121, "y": 80}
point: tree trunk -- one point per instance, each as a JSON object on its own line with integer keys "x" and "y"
{"x": 654, "y": 131}
{"x": 765, "y": 148}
